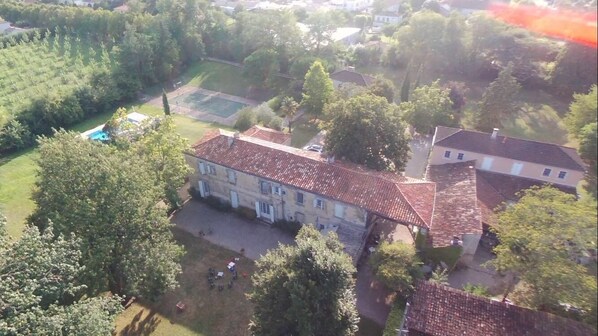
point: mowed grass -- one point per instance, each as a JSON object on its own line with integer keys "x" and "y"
{"x": 208, "y": 311}
{"x": 303, "y": 131}
{"x": 17, "y": 171}
{"x": 217, "y": 77}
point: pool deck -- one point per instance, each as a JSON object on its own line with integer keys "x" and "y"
{"x": 199, "y": 114}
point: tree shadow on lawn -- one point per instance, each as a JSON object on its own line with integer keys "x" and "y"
{"x": 141, "y": 327}
{"x": 207, "y": 311}
{"x": 537, "y": 122}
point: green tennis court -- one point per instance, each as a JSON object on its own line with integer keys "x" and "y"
{"x": 214, "y": 105}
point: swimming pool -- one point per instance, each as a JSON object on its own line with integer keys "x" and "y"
{"x": 99, "y": 135}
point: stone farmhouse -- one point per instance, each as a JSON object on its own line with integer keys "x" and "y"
{"x": 281, "y": 182}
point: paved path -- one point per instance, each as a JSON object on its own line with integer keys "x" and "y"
{"x": 479, "y": 274}
{"x": 420, "y": 148}
{"x": 373, "y": 298}
{"x": 229, "y": 230}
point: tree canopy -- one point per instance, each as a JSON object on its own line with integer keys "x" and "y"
{"x": 541, "y": 239}
{"x": 384, "y": 88}
{"x": 582, "y": 111}
{"x": 397, "y": 266}
{"x": 498, "y": 101}
{"x": 305, "y": 289}
{"x": 366, "y": 129}
{"x": 260, "y": 66}
{"x": 429, "y": 106}
{"x": 109, "y": 199}
{"x": 39, "y": 289}
{"x": 317, "y": 89}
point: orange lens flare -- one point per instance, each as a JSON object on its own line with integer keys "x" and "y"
{"x": 566, "y": 24}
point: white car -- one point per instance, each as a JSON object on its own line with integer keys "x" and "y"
{"x": 314, "y": 148}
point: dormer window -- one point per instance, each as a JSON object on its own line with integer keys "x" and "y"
{"x": 447, "y": 154}
{"x": 562, "y": 174}
{"x": 546, "y": 172}
{"x": 460, "y": 156}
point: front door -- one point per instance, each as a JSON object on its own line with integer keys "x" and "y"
{"x": 234, "y": 199}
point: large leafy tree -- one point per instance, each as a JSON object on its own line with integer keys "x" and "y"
{"x": 384, "y": 88}
{"x": 582, "y": 111}
{"x": 317, "y": 88}
{"x": 366, "y": 129}
{"x": 429, "y": 106}
{"x": 588, "y": 149}
{"x": 39, "y": 289}
{"x": 542, "y": 236}
{"x": 305, "y": 289}
{"x": 422, "y": 38}
{"x": 322, "y": 25}
{"x": 575, "y": 69}
{"x": 397, "y": 266}
{"x": 109, "y": 199}
{"x": 498, "y": 101}
{"x": 260, "y": 66}
{"x": 162, "y": 148}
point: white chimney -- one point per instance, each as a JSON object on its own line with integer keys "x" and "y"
{"x": 494, "y": 134}
{"x": 330, "y": 159}
{"x": 236, "y": 135}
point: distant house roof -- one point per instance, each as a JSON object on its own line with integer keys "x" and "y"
{"x": 437, "y": 310}
{"x": 455, "y": 209}
{"x": 348, "y": 76}
{"x": 399, "y": 199}
{"x": 269, "y": 134}
{"x": 494, "y": 189}
{"x": 513, "y": 148}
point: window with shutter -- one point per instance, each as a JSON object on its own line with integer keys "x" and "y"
{"x": 232, "y": 177}
{"x": 202, "y": 168}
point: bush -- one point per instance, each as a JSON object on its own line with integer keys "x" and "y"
{"x": 264, "y": 114}
{"x": 291, "y": 227}
{"x": 275, "y": 103}
{"x": 195, "y": 194}
{"x": 448, "y": 254}
{"x": 217, "y": 203}
{"x": 246, "y": 213}
{"x": 246, "y": 119}
{"x": 479, "y": 290}
{"x": 395, "y": 317}
{"x": 14, "y": 136}
{"x": 276, "y": 123}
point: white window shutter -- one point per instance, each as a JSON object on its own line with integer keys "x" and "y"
{"x": 273, "y": 189}
{"x": 271, "y": 213}
{"x": 202, "y": 168}
{"x": 257, "y": 209}
{"x": 202, "y": 191}
{"x": 315, "y": 202}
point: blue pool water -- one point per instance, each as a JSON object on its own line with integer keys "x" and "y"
{"x": 99, "y": 135}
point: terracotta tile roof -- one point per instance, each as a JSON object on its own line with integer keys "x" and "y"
{"x": 488, "y": 199}
{"x": 494, "y": 189}
{"x": 439, "y": 310}
{"x": 348, "y": 76}
{"x": 269, "y": 134}
{"x": 400, "y": 199}
{"x": 513, "y": 148}
{"x": 455, "y": 210}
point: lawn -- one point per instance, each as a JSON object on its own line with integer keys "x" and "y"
{"x": 303, "y": 131}
{"x": 217, "y": 77}
{"x": 207, "y": 312}
{"x": 17, "y": 171}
